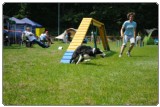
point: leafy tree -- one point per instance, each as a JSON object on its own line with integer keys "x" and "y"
{"x": 111, "y": 14}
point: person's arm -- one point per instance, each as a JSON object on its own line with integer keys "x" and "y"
{"x": 135, "y": 33}
{"x": 122, "y": 33}
{"x": 31, "y": 34}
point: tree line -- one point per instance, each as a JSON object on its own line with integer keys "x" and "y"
{"x": 70, "y": 14}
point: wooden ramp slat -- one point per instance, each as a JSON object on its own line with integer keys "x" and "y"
{"x": 74, "y": 43}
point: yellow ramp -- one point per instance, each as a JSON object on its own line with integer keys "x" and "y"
{"x": 80, "y": 34}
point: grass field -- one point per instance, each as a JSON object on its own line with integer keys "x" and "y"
{"x": 35, "y": 76}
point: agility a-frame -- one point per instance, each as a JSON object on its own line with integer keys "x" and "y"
{"x": 80, "y": 35}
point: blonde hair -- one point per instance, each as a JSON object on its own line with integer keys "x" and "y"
{"x": 27, "y": 28}
{"x": 130, "y": 13}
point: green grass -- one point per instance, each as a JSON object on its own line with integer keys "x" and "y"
{"x": 35, "y": 76}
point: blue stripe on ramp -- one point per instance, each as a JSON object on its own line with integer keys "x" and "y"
{"x": 67, "y": 56}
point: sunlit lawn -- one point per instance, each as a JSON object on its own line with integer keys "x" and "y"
{"x": 35, "y": 76}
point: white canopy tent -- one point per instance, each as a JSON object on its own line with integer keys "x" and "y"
{"x": 62, "y": 36}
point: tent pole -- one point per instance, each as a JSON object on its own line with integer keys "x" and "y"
{"x": 15, "y": 33}
{"x": 58, "y": 18}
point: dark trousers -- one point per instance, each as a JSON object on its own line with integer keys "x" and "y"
{"x": 40, "y": 43}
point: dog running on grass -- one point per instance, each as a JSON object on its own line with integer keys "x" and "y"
{"x": 82, "y": 53}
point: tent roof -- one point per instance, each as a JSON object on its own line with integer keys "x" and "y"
{"x": 17, "y": 21}
{"x": 62, "y": 36}
{"x": 28, "y": 21}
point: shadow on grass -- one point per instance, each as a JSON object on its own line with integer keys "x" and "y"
{"x": 92, "y": 64}
{"x": 110, "y": 53}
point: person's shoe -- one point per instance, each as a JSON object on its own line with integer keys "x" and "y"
{"x": 120, "y": 55}
{"x": 128, "y": 54}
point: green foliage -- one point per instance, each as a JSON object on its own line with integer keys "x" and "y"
{"x": 22, "y": 11}
{"x": 71, "y": 14}
{"x": 35, "y": 76}
{"x": 148, "y": 40}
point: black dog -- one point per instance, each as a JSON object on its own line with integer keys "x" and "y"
{"x": 85, "y": 51}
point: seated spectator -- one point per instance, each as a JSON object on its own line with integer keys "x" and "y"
{"x": 44, "y": 37}
{"x": 24, "y": 39}
{"x": 32, "y": 39}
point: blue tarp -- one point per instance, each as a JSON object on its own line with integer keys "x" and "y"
{"x": 17, "y": 21}
{"x": 5, "y": 31}
{"x": 32, "y": 23}
{"x": 25, "y": 21}
{"x": 16, "y": 28}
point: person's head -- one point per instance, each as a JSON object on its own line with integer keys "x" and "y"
{"x": 46, "y": 32}
{"x": 28, "y": 29}
{"x": 131, "y": 16}
{"x": 92, "y": 33}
